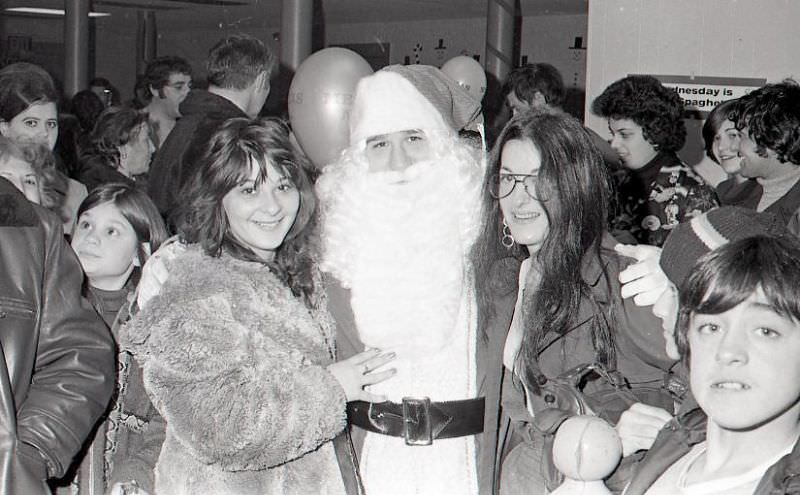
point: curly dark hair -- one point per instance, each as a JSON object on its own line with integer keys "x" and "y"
{"x": 771, "y": 115}
{"x": 574, "y": 180}
{"x": 116, "y": 127}
{"x": 530, "y": 79}
{"x": 657, "y": 109}
{"x": 223, "y": 164}
{"x": 156, "y": 74}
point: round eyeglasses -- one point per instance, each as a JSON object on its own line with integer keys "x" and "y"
{"x": 504, "y": 183}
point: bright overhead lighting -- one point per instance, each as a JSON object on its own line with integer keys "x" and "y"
{"x": 36, "y": 10}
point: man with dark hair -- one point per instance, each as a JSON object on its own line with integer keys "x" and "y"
{"x": 541, "y": 86}
{"x": 167, "y": 81}
{"x": 534, "y": 86}
{"x": 56, "y": 356}
{"x": 239, "y": 69}
{"x": 768, "y": 119}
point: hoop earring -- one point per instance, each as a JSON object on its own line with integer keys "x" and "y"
{"x": 507, "y": 240}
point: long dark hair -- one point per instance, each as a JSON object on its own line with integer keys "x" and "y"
{"x": 574, "y": 181}
{"x": 222, "y": 165}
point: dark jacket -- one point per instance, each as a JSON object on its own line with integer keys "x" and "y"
{"x": 59, "y": 357}
{"x": 678, "y": 437}
{"x": 170, "y": 169}
{"x": 640, "y": 346}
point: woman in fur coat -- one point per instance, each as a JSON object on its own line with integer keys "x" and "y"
{"x": 237, "y": 349}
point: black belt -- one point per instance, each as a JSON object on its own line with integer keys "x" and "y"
{"x": 419, "y": 420}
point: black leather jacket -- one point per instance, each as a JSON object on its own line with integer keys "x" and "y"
{"x": 59, "y": 356}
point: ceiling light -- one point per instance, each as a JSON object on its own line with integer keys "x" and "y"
{"x": 35, "y": 10}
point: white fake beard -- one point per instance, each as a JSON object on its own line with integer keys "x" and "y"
{"x": 400, "y": 241}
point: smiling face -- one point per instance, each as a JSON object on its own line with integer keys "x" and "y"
{"x": 260, "y": 215}
{"x": 744, "y": 370}
{"x": 21, "y": 174}
{"x": 627, "y": 140}
{"x": 755, "y": 166}
{"x": 106, "y": 245}
{"x": 525, "y": 216}
{"x": 726, "y": 147}
{"x": 38, "y": 123}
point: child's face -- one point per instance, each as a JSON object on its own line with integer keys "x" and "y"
{"x": 744, "y": 366}
{"x": 21, "y": 174}
{"x": 106, "y": 245}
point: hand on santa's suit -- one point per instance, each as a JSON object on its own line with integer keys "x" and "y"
{"x": 155, "y": 272}
{"x": 355, "y": 373}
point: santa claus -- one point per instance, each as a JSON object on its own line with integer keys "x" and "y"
{"x": 400, "y": 213}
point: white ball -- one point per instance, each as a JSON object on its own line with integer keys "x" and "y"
{"x": 586, "y": 448}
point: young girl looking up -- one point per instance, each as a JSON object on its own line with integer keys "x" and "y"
{"x": 118, "y": 227}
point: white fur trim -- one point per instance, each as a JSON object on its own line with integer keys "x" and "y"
{"x": 386, "y": 102}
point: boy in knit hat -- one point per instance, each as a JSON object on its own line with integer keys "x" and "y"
{"x": 738, "y": 332}
{"x": 399, "y": 216}
{"x": 695, "y": 238}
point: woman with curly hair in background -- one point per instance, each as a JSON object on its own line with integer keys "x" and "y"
{"x": 656, "y": 190}
{"x": 119, "y": 150}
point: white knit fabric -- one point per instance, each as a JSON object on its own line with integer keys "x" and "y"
{"x": 386, "y": 102}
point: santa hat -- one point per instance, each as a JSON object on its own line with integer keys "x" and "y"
{"x": 403, "y": 97}
{"x": 704, "y": 233}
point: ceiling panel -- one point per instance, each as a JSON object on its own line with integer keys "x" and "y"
{"x": 338, "y": 11}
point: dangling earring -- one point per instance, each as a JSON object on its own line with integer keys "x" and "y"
{"x": 507, "y": 240}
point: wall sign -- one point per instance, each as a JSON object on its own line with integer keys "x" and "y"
{"x": 700, "y": 94}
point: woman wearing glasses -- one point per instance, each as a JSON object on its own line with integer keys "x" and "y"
{"x": 546, "y": 200}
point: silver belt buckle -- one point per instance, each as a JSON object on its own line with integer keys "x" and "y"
{"x": 417, "y": 428}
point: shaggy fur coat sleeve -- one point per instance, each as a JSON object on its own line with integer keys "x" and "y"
{"x": 236, "y": 365}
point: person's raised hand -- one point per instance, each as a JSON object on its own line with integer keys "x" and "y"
{"x": 639, "y": 426}
{"x": 355, "y": 373}
{"x": 644, "y": 280}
